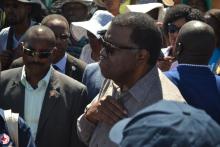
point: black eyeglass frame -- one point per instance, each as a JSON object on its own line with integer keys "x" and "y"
{"x": 110, "y": 48}
{"x": 31, "y": 52}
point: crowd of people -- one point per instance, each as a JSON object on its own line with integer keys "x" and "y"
{"x": 106, "y": 73}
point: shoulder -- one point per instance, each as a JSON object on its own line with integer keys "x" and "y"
{"x": 10, "y": 73}
{"x": 171, "y": 73}
{"x": 4, "y": 32}
{"x": 92, "y": 67}
{"x": 75, "y": 61}
{"x": 68, "y": 82}
{"x": 17, "y": 63}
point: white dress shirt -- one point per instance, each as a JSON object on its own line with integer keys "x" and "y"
{"x": 34, "y": 100}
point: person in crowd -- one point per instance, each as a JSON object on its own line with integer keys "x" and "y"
{"x": 127, "y": 61}
{"x": 62, "y": 61}
{"x": 167, "y": 124}
{"x": 49, "y": 101}
{"x": 202, "y": 5}
{"x": 76, "y": 11}
{"x": 174, "y": 19}
{"x": 212, "y": 17}
{"x": 18, "y": 14}
{"x": 98, "y": 23}
{"x": 23, "y": 133}
{"x": 196, "y": 82}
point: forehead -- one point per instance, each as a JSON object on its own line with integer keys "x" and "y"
{"x": 38, "y": 43}
{"x": 58, "y": 25}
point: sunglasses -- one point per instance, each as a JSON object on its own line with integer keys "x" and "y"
{"x": 110, "y": 48}
{"x": 32, "y": 53}
{"x": 173, "y": 28}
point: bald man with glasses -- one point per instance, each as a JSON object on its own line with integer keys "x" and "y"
{"x": 49, "y": 101}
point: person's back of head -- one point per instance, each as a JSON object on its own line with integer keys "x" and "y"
{"x": 195, "y": 43}
{"x": 145, "y": 34}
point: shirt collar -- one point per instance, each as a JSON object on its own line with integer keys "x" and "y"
{"x": 142, "y": 87}
{"x": 62, "y": 63}
{"x": 42, "y": 82}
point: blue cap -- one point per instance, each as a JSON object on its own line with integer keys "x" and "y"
{"x": 167, "y": 124}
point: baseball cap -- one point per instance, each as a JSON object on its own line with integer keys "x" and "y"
{"x": 167, "y": 124}
{"x": 99, "y": 21}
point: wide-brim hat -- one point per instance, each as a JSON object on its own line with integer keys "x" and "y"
{"x": 168, "y": 2}
{"x": 35, "y": 5}
{"x": 144, "y": 8}
{"x": 99, "y": 21}
{"x": 83, "y": 2}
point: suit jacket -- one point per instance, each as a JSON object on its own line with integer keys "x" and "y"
{"x": 199, "y": 86}
{"x": 64, "y": 101}
{"x": 74, "y": 66}
{"x": 93, "y": 79}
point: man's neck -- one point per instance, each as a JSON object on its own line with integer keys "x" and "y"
{"x": 129, "y": 81}
{"x": 34, "y": 79}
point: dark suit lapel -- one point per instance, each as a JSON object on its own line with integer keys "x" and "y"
{"x": 51, "y": 97}
{"x": 68, "y": 70}
{"x": 17, "y": 95}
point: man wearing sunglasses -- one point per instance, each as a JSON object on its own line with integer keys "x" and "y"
{"x": 128, "y": 57}
{"x": 62, "y": 61}
{"x": 175, "y": 18}
{"x": 18, "y": 16}
{"x": 49, "y": 101}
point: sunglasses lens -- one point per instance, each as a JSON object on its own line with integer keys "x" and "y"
{"x": 28, "y": 51}
{"x": 44, "y": 54}
{"x": 32, "y": 53}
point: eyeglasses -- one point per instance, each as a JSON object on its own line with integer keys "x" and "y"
{"x": 31, "y": 52}
{"x": 173, "y": 28}
{"x": 111, "y": 48}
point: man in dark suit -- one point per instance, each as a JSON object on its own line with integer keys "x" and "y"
{"x": 62, "y": 61}
{"x": 49, "y": 101}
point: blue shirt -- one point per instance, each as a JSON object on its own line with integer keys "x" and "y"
{"x": 199, "y": 86}
{"x": 213, "y": 62}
